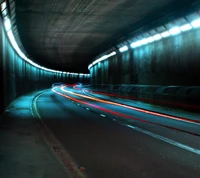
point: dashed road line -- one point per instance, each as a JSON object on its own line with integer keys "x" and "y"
{"x": 102, "y": 115}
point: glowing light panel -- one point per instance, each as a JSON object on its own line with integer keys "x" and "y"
{"x": 144, "y": 41}
{"x": 14, "y": 44}
{"x": 175, "y": 31}
{"x": 7, "y": 24}
{"x": 134, "y": 45}
{"x": 102, "y": 58}
{"x": 139, "y": 43}
{"x": 124, "y": 48}
{"x": 196, "y": 23}
{"x": 3, "y": 6}
{"x": 165, "y": 34}
{"x": 157, "y": 37}
{"x": 185, "y": 27}
{"x": 150, "y": 39}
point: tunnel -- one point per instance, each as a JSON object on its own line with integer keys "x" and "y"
{"x": 99, "y": 89}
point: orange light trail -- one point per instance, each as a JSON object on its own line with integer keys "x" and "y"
{"x": 120, "y": 114}
{"x": 134, "y": 108}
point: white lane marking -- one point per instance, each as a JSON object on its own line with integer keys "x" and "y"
{"x": 167, "y": 140}
{"x": 34, "y": 107}
{"x": 155, "y": 113}
{"x": 88, "y": 109}
{"x": 102, "y": 115}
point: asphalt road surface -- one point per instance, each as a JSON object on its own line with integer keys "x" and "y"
{"x": 113, "y": 141}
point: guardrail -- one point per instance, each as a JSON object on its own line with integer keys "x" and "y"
{"x": 184, "y": 97}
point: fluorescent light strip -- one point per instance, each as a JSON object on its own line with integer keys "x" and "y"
{"x": 157, "y": 37}
{"x": 124, "y": 48}
{"x": 134, "y": 45}
{"x": 7, "y": 25}
{"x": 101, "y": 59}
{"x": 90, "y": 66}
{"x": 144, "y": 41}
{"x": 4, "y": 12}
{"x": 185, "y": 27}
{"x": 3, "y": 6}
{"x": 196, "y": 23}
{"x": 139, "y": 43}
{"x": 150, "y": 39}
{"x": 165, "y": 34}
{"x": 175, "y": 31}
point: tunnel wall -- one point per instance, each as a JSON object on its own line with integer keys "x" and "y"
{"x": 18, "y": 77}
{"x": 181, "y": 97}
{"x": 171, "y": 61}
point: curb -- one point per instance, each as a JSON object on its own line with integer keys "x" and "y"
{"x": 12, "y": 103}
{"x": 54, "y": 145}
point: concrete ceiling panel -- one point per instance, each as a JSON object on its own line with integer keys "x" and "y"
{"x": 74, "y": 31}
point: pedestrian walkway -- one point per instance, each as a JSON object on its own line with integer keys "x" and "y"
{"x": 23, "y": 152}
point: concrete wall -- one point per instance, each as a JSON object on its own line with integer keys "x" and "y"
{"x": 182, "y": 97}
{"x": 170, "y": 61}
{"x": 18, "y": 77}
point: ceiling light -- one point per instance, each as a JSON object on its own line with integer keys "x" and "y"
{"x": 134, "y": 45}
{"x": 3, "y": 6}
{"x": 124, "y": 48}
{"x": 90, "y": 66}
{"x": 4, "y": 12}
{"x": 157, "y": 37}
{"x": 111, "y": 54}
{"x": 174, "y": 31}
{"x": 150, "y": 39}
{"x": 7, "y": 24}
{"x": 186, "y": 27}
{"x": 165, "y": 34}
{"x": 139, "y": 43}
{"x": 144, "y": 41}
{"x": 196, "y": 23}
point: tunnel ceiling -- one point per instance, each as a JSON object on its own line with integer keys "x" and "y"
{"x": 68, "y": 34}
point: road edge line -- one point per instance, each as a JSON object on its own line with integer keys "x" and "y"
{"x": 54, "y": 145}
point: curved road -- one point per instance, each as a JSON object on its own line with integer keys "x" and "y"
{"x": 115, "y": 141}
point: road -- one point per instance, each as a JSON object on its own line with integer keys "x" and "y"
{"x": 115, "y": 141}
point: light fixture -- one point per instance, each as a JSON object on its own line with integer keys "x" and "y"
{"x": 124, "y": 48}
{"x": 139, "y": 43}
{"x": 157, "y": 37}
{"x": 7, "y": 24}
{"x": 14, "y": 44}
{"x": 144, "y": 41}
{"x": 185, "y": 27}
{"x": 196, "y": 23}
{"x": 133, "y": 45}
{"x": 150, "y": 39}
{"x": 90, "y": 66}
{"x": 4, "y": 12}
{"x": 165, "y": 34}
{"x": 111, "y": 54}
{"x": 3, "y": 6}
{"x": 175, "y": 31}
{"x": 102, "y": 58}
